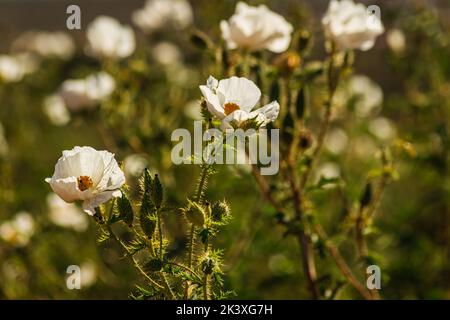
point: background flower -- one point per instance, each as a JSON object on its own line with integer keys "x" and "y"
{"x": 351, "y": 26}
{"x": 107, "y": 38}
{"x": 86, "y": 93}
{"x": 19, "y": 230}
{"x": 159, "y": 13}
{"x": 66, "y": 215}
{"x": 256, "y": 28}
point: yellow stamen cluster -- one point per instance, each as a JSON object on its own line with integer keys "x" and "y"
{"x": 230, "y": 108}
{"x": 84, "y": 182}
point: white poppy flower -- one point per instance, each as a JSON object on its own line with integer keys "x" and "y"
{"x": 46, "y": 44}
{"x": 14, "y": 67}
{"x": 134, "y": 165}
{"x": 396, "y": 40}
{"x": 351, "y": 26}
{"x": 19, "y": 230}
{"x": 56, "y": 111}
{"x": 366, "y": 95}
{"x": 66, "y": 215}
{"x": 88, "y": 92}
{"x": 158, "y": 13}
{"x": 382, "y": 128}
{"x": 232, "y": 100}
{"x": 88, "y": 175}
{"x": 256, "y": 28}
{"x": 336, "y": 141}
{"x": 89, "y": 274}
{"x": 107, "y": 38}
{"x": 328, "y": 170}
{"x": 167, "y": 53}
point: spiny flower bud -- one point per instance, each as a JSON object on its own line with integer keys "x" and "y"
{"x": 305, "y": 139}
{"x": 148, "y": 224}
{"x": 220, "y": 211}
{"x": 98, "y": 215}
{"x": 207, "y": 265}
{"x": 157, "y": 192}
{"x": 125, "y": 209}
{"x": 303, "y": 40}
{"x": 366, "y": 197}
{"x": 153, "y": 265}
{"x": 195, "y": 214}
{"x": 287, "y": 62}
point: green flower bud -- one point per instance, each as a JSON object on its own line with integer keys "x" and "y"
{"x": 195, "y": 214}
{"x": 220, "y": 211}
{"x": 125, "y": 209}
{"x": 148, "y": 224}
{"x": 157, "y": 192}
{"x": 306, "y": 139}
{"x": 153, "y": 265}
{"x": 207, "y": 265}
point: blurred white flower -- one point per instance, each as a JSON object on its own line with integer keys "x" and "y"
{"x": 256, "y": 28}
{"x": 134, "y": 165}
{"x": 46, "y": 44}
{"x": 366, "y": 95}
{"x": 89, "y": 274}
{"x": 328, "y": 170}
{"x": 336, "y": 141}
{"x": 66, "y": 215}
{"x": 4, "y": 147}
{"x": 364, "y": 147}
{"x": 19, "y": 230}
{"x": 166, "y": 53}
{"x": 192, "y": 110}
{"x": 382, "y": 128}
{"x": 396, "y": 40}
{"x": 14, "y": 67}
{"x": 56, "y": 111}
{"x": 159, "y": 13}
{"x": 88, "y": 92}
{"x": 86, "y": 174}
{"x": 351, "y": 26}
{"x": 107, "y": 38}
{"x": 232, "y": 100}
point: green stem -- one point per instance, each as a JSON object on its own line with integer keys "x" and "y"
{"x": 205, "y": 287}
{"x": 160, "y": 236}
{"x": 135, "y": 263}
{"x": 198, "y": 196}
{"x": 167, "y": 285}
{"x": 185, "y": 268}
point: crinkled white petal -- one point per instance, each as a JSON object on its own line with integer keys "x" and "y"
{"x": 212, "y": 102}
{"x": 240, "y": 91}
{"x": 256, "y": 28}
{"x": 266, "y": 114}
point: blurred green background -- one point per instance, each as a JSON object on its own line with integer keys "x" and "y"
{"x": 411, "y": 236}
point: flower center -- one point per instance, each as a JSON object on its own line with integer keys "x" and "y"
{"x": 84, "y": 182}
{"x": 230, "y": 107}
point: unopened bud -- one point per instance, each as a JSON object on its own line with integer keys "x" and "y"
{"x": 220, "y": 211}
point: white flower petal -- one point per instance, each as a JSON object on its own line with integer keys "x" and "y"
{"x": 240, "y": 91}
{"x": 256, "y": 28}
{"x": 212, "y": 102}
{"x": 269, "y": 112}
